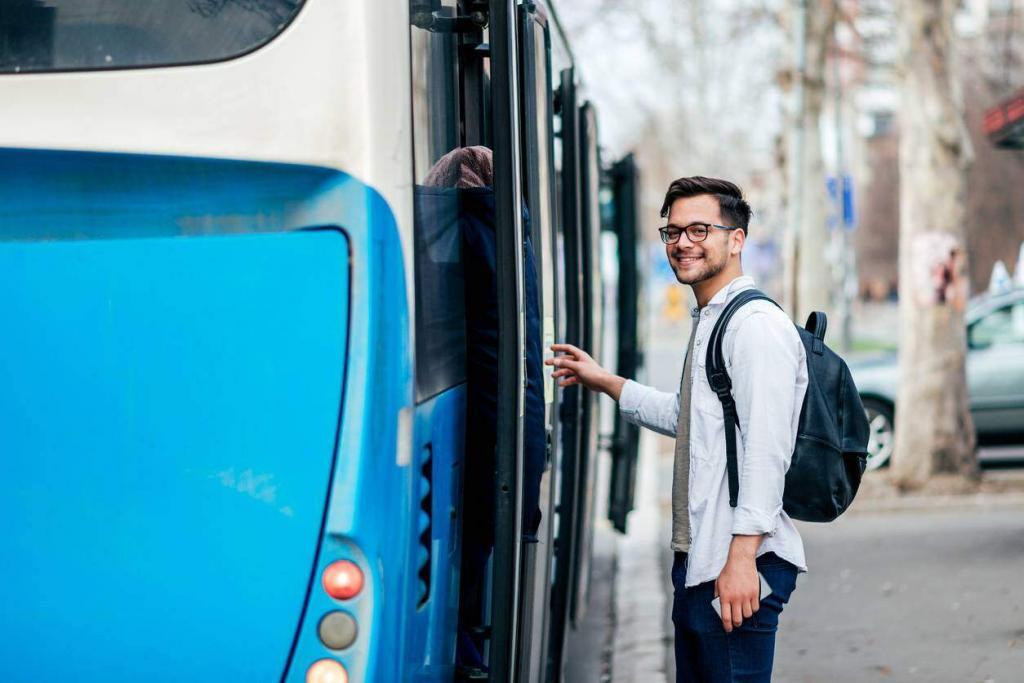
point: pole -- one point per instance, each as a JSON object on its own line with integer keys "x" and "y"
{"x": 797, "y": 163}
{"x": 843, "y": 299}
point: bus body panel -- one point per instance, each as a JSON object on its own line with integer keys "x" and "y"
{"x": 438, "y": 463}
{"x": 257, "y": 268}
{"x": 169, "y": 425}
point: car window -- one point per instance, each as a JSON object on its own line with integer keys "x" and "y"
{"x": 1002, "y": 327}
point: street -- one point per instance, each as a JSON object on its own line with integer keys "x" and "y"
{"x": 926, "y": 595}
{"x": 922, "y": 590}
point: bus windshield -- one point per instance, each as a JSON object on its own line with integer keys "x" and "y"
{"x": 68, "y": 35}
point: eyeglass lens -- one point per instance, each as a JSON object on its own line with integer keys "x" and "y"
{"x": 695, "y": 233}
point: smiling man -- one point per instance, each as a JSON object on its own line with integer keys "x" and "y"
{"x": 719, "y": 550}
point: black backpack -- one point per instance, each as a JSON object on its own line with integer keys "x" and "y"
{"x": 831, "y": 443}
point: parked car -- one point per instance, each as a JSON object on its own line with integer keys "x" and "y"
{"x": 995, "y": 378}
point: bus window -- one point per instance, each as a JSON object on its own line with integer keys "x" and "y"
{"x": 543, "y": 203}
{"x": 440, "y": 310}
{"x": 67, "y": 35}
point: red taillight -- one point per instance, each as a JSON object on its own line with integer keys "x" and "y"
{"x": 342, "y": 580}
{"x": 326, "y": 671}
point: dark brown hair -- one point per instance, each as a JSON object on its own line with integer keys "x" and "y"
{"x": 735, "y": 210}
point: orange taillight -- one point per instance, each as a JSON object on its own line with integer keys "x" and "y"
{"x": 342, "y": 580}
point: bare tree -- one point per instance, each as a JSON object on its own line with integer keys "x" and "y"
{"x": 812, "y": 23}
{"x": 934, "y": 431}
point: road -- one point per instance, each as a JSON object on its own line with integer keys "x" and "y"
{"x": 928, "y": 595}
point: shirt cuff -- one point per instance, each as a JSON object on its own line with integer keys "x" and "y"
{"x": 630, "y": 397}
{"x": 749, "y": 522}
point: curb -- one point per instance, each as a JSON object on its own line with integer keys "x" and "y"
{"x": 942, "y": 503}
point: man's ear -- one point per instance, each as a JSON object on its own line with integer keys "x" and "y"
{"x": 739, "y": 238}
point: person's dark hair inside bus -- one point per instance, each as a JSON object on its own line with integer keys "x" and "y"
{"x": 470, "y": 170}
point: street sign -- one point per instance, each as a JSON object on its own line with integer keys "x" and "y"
{"x": 842, "y": 202}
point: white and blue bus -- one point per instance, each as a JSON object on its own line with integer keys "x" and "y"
{"x": 233, "y": 338}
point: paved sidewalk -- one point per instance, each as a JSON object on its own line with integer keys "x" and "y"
{"x": 642, "y": 593}
{"x": 924, "y": 587}
{"x": 926, "y": 594}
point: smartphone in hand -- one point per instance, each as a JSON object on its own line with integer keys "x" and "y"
{"x": 766, "y": 590}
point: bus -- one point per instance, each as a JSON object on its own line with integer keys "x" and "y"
{"x": 235, "y": 409}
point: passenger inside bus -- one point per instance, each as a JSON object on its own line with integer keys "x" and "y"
{"x": 469, "y": 171}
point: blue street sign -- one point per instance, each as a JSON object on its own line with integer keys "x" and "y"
{"x": 849, "y": 217}
{"x": 842, "y": 202}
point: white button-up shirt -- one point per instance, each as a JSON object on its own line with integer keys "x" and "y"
{"x": 768, "y": 367}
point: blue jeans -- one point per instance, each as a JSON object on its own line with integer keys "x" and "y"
{"x": 705, "y": 653}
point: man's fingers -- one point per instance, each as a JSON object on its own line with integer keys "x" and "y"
{"x": 569, "y": 381}
{"x": 570, "y": 351}
{"x": 737, "y": 614}
{"x": 565, "y": 348}
{"x": 748, "y": 611}
{"x": 564, "y": 362}
{"x": 727, "y": 617}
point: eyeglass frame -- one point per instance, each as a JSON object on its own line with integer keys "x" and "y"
{"x": 664, "y": 236}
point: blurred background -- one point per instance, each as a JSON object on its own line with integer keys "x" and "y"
{"x": 870, "y": 136}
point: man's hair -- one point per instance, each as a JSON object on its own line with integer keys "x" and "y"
{"x": 734, "y": 209}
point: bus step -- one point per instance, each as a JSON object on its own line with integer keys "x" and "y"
{"x": 470, "y": 673}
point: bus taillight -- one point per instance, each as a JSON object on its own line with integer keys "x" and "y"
{"x": 326, "y": 671}
{"x": 342, "y": 580}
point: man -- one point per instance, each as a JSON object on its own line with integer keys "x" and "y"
{"x": 719, "y": 550}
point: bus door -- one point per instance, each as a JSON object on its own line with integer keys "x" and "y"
{"x": 467, "y": 149}
{"x": 623, "y": 187}
{"x": 540, "y": 192}
{"x": 592, "y": 325}
{"x": 570, "y": 324}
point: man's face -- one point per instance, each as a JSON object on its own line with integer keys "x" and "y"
{"x": 695, "y": 262}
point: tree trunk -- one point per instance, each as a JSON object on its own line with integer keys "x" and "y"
{"x": 934, "y": 430}
{"x": 809, "y": 278}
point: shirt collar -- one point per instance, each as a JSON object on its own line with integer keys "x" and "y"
{"x": 725, "y": 293}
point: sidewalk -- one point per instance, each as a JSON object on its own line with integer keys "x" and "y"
{"x": 918, "y": 587}
{"x": 642, "y": 642}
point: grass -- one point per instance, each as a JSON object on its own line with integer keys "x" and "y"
{"x": 871, "y": 346}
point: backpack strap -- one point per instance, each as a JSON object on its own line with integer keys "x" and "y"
{"x": 721, "y": 384}
{"x": 816, "y": 324}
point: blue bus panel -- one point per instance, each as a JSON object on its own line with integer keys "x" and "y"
{"x": 205, "y": 368}
{"x": 169, "y": 418}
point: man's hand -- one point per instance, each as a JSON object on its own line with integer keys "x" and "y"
{"x": 577, "y": 367}
{"x": 737, "y": 587}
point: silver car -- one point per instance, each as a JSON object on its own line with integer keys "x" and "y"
{"x": 995, "y": 378}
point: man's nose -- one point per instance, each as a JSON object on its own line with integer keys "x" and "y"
{"x": 684, "y": 240}
{"x": 683, "y": 243}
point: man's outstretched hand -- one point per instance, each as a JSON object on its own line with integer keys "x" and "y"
{"x": 575, "y": 366}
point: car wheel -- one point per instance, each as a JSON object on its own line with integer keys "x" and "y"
{"x": 881, "y": 434}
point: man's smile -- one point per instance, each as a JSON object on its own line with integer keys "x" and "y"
{"x": 687, "y": 260}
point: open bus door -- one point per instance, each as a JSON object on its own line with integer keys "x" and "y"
{"x": 623, "y": 183}
{"x": 505, "y": 585}
{"x": 592, "y": 319}
{"x": 569, "y": 409}
{"x": 540, "y": 191}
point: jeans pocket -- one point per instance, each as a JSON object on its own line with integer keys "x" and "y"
{"x": 781, "y": 578}
{"x": 766, "y": 618}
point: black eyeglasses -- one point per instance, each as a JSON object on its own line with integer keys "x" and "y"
{"x": 695, "y": 232}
